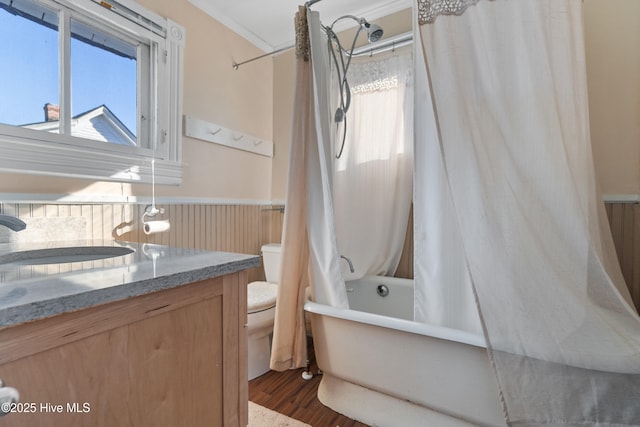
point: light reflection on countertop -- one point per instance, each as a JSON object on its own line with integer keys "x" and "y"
{"x": 31, "y": 292}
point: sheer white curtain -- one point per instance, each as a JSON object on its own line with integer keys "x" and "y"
{"x": 373, "y": 176}
{"x": 510, "y": 104}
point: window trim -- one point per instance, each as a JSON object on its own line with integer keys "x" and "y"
{"x": 26, "y": 151}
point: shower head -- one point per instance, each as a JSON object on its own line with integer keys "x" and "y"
{"x": 374, "y": 31}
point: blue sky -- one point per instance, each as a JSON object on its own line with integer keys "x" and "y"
{"x": 29, "y": 75}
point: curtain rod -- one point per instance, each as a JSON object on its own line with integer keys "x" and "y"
{"x": 237, "y": 65}
{"x": 385, "y": 45}
{"x": 379, "y": 47}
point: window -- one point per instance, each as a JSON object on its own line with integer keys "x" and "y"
{"x": 90, "y": 89}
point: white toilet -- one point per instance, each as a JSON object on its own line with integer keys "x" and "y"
{"x": 261, "y": 308}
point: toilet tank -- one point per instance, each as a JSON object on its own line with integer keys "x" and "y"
{"x": 271, "y": 262}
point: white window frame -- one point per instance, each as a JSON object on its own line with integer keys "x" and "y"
{"x": 43, "y": 153}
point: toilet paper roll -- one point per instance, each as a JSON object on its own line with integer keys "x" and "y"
{"x": 152, "y": 227}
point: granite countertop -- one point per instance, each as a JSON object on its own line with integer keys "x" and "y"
{"x": 32, "y": 292}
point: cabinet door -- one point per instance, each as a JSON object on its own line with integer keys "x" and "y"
{"x": 166, "y": 367}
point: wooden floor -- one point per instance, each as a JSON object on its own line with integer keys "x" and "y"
{"x": 287, "y": 393}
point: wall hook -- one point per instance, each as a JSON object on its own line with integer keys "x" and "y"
{"x": 218, "y": 134}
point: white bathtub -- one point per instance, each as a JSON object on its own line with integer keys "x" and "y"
{"x": 391, "y": 371}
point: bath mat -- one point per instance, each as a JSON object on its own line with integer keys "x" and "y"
{"x": 259, "y": 416}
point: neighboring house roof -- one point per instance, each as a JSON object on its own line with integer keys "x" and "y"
{"x": 98, "y": 124}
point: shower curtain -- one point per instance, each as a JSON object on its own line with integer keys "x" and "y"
{"x": 309, "y": 250}
{"x": 443, "y": 294}
{"x": 511, "y": 127}
{"x": 373, "y": 175}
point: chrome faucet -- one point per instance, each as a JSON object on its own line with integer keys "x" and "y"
{"x": 348, "y": 262}
{"x": 16, "y": 224}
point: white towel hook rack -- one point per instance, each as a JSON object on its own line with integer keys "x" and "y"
{"x": 200, "y": 129}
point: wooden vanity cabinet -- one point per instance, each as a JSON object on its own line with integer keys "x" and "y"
{"x": 176, "y": 357}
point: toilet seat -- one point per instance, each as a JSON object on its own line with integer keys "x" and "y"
{"x": 261, "y": 296}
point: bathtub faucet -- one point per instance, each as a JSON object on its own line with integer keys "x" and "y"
{"x": 348, "y": 262}
{"x": 16, "y": 224}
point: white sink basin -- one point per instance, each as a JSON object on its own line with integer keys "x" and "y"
{"x": 63, "y": 255}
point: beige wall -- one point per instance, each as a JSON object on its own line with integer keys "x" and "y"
{"x": 241, "y": 100}
{"x": 284, "y": 79}
{"x": 612, "y": 38}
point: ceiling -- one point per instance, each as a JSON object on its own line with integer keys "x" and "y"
{"x": 268, "y": 24}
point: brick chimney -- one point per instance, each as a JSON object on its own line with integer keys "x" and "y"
{"x": 51, "y": 112}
